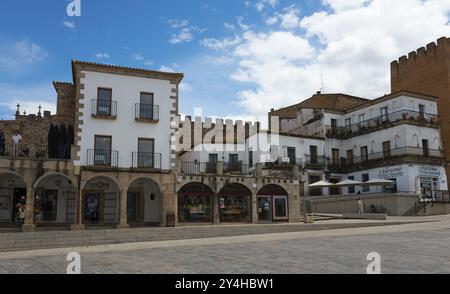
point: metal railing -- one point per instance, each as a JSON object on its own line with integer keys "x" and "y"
{"x": 236, "y": 168}
{"x": 147, "y": 160}
{"x": 147, "y": 112}
{"x": 343, "y": 163}
{"x": 314, "y": 161}
{"x": 104, "y": 108}
{"x": 24, "y": 151}
{"x": 198, "y": 168}
{"x": 380, "y": 121}
{"x": 102, "y": 158}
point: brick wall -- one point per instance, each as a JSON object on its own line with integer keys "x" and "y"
{"x": 427, "y": 71}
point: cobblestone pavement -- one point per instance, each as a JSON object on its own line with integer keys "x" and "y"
{"x": 424, "y": 251}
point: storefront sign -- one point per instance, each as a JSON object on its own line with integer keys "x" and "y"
{"x": 429, "y": 171}
{"x": 390, "y": 173}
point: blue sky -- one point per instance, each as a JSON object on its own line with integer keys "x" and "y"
{"x": 240, "y": 58}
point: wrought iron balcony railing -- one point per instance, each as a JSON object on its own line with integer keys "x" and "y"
{"x": 147, "y": 112}
{"x": 105, "y": 109}
{"x": 103, "y": 158}
{"x": 147, "y": 160}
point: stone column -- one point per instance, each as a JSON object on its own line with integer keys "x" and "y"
{"x": 29, "y": 224}
{"x": 216, "y": 213}
{"x": 78, "y": 225}
{"x": 294, "y": 204}
{"x": 123, "y": 217}
{"x": 254, "y": 208}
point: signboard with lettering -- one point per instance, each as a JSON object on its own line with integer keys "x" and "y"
{"x": 390, "y": 173}
{"x": 429, "y": 171}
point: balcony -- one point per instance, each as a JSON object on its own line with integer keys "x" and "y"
{"x": 381, "y": 122}
{"x": 198, "y": 168}
{"x": 315, "y": 162}
{"x": 104, "y": 109}
{"x": 346, "y": 164}
{"x": 237, "y": 168}
{"x": 103, "y": 158}
{"x": 146, "y": 113}
{"x": 144, "y": 160}
{"x": 28, "y": 151}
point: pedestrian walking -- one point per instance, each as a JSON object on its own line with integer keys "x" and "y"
{"x": 360, "y": 207}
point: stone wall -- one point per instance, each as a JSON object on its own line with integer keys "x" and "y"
{"x": 395, "y": 204}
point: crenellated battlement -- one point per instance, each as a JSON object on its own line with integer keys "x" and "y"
{"x": 432, "y": 52}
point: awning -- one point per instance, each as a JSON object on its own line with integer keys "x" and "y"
{"x": 349, "y": 183}
{"x": 321, "y": 184}
{"x": 379, "y": 182}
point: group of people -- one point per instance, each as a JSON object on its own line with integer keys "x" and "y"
{"x": 16, "y": 140}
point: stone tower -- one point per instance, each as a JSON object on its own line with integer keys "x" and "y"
{"x": 427, "y": 71}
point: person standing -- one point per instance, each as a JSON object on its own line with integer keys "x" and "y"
{"x": 360, "y": 207}
{"x": 2, "y": 143}
{"x": 16, "y": 140}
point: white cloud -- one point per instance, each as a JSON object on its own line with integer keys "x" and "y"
{"x": 185, "y": 31}
{"x": 217, "y": 44}
{"x": 357, "y": 42}
{"x": 185, "y": 35}
{"x": 289, "y": 18}
{"x": 261, "y": 5}
{"x": 17, "y": 56}
{"x": 102, "y": 56}
{"x": 69, "y": 24}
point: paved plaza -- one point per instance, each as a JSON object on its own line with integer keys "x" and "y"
{"x": 413, "y": 248}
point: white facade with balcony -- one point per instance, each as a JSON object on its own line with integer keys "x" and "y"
{"x": 121, "y": 121}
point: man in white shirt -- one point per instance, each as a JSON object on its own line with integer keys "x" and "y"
{"x": 16, "y": 139}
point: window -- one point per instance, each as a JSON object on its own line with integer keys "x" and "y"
{"x": 291, "y": 154}
{"x": 365, "y": 178}
{"x": 362, "y": 120}
{"x": 351, "y": 189}
{"x": 425, "y": 146}
{"x": 102, "y": 152}
{"x": 333, "y": 125}
{"x": 233, "y": 158}
{"x": 250, "y": 158}
{"x": 348, "y": 124}
{"x": 313, "y": 153}
{"x": 314, "y": 191}
{"x": 387, "y": 149}
{"x": 350, "y": 157}
{"x": 104, "y": 97}
{"x": 335, "y": 156}
{"x": 422, "y": 110}
{"x": 212, "y": 164}
{"x": 146, "y": 106}
{"x": 146, "y": 150}
{"x": 364, "y": 154}
{"x": 335, "y": 190}
{"x": 384, "y": 114}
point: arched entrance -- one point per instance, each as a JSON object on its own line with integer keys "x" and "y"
{"x": 55, "y": 200}
{"x": 235, "y": 203}
{"x": 272, "y": 204}
{"x": 13, "y": 192}
{"x": 144, "y": 203}
{"x": 100, "y": 205}
{"x": 195, "y": 203}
